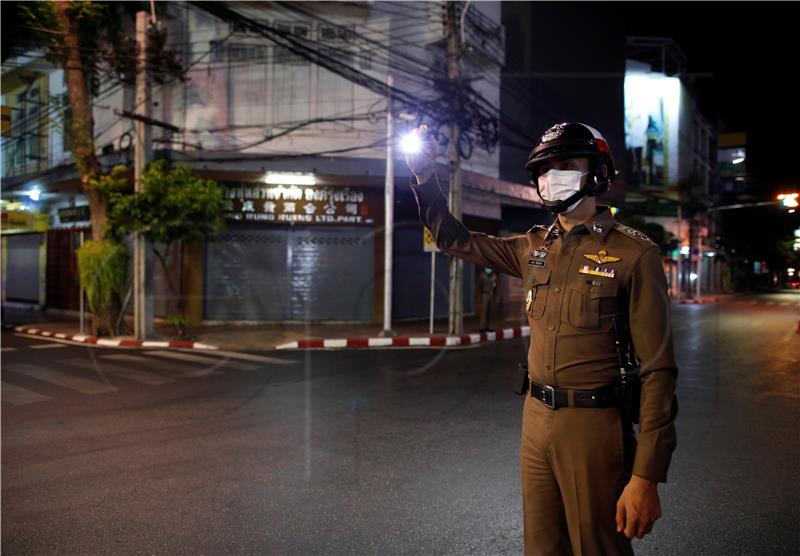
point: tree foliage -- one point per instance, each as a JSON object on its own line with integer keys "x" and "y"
{"x": 103, "y": 269}
{"x": 106, "y": 41}
{"x": 175, "y": 204}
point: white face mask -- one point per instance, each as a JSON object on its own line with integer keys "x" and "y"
{"x": 557, "y": 185}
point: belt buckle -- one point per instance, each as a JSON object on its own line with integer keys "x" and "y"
{"x": 551, "y": 390}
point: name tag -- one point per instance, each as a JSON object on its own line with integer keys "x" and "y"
{"x": 536, "y": 262}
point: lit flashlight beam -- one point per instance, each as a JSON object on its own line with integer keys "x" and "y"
{"x": 411, "y": 143}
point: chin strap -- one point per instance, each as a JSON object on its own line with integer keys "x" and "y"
{"x": 561, "y": 206}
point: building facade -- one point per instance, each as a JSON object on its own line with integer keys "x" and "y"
{"x": 257, "y": 115}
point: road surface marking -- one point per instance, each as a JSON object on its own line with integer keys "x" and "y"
{"x": 183, "y": 371}
{"x": 131, "y": 374}
{"x": 200, "y": 359}
{"x": 61, "y": 379}
{"x": 7, "y": 349}
{"x": 256, "y": 358}
{"x": 16, "y": 395}
{"x": 48, "y": 346}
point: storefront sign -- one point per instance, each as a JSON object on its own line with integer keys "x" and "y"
{"x": 282, "y": 204}
{"x": 24, "y": 221}
{"x": 74, "y": 214}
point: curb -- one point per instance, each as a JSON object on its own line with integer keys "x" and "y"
{"x": 92, "y": 340}
{"x": 424, "y": 341}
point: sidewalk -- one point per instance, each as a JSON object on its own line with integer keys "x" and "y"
{"x": 258, "y": 337}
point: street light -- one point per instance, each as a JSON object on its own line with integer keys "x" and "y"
{"x": 789, "y": 200}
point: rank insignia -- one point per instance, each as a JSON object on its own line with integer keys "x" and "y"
{"x": 602, "y": 257}
{"x": 597, "y": 271}
{"x": 529, "y": 300}
{"x": 538, "y": 253}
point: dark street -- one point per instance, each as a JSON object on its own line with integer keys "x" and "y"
{"x": 372, "y": 451}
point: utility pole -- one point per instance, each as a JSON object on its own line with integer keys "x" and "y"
{"x": 456, "y": 301}
{"x": 142, "y": 303}
{"x": 679, "y": 286}
{"x": 388, "y": 216}
{"x": 699, "y": 279}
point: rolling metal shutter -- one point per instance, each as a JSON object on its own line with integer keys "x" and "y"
{"x": 23, "y": 280}
{"x": 314, "y": 273}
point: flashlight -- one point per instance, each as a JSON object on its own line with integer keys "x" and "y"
{"x": 411, "y": 143}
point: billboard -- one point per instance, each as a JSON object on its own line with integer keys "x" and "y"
{"x": 652, "y": 112}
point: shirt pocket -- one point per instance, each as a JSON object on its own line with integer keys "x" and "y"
{"x": 536, "y": 297}
{"x": 592, "y": 307}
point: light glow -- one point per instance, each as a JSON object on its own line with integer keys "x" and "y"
{"x": 290, "y": 179}
{"x": 411, "y": 143}
{"x": 34, "y": 193}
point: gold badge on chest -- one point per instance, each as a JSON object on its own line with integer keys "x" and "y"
{"x": 602, "y": 257}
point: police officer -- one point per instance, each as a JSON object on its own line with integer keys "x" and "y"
{"x": 588, "y": 486}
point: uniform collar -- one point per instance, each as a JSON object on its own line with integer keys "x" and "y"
{"x": 599, "y": 225}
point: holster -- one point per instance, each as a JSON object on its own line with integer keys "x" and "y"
{"x": 522, "y": 382}
{"x": 629, "y": 392}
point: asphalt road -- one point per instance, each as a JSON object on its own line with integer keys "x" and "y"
{"x": 415, "y": 451}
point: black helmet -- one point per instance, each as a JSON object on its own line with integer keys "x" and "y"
{"x": 567, "y": 140}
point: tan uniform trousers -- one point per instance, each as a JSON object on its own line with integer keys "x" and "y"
{"x": 573, "y": 469}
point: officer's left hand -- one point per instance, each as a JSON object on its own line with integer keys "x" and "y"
{"x": 638, "y": 507}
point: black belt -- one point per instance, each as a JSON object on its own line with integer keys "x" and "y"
{"x": 558, "y": 397}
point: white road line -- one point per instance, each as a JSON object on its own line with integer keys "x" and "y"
{"x": 183, "y": 356}
{"x": 16, "y": 395}
{"x": 261, "y": 358}
{"x": 61, "y": 379}
{"x": 48, "y": 346}
{"x": 3, "y": 350}
{"x": 131, "y": 374}
{"x": 182, "y": 371}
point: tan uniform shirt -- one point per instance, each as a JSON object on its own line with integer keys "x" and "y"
{"x": 570, "y": 302}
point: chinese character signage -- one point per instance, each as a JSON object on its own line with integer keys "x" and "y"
{"x": 284, "y": 204}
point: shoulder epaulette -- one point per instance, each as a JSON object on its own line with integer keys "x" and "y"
{"x": 634, "y": 234}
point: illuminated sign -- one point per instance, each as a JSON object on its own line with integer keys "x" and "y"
{"x": 652, "y": 112}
